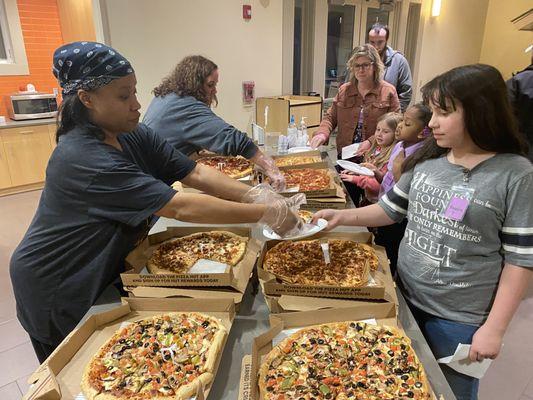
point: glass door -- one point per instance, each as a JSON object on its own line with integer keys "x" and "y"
{"x": 341, "y": 18}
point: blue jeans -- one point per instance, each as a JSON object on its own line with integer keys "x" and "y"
{"x": 443, "y": 336}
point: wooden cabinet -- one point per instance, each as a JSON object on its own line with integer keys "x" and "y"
{"x": 52, "y": 128}
{"x": 26, "y": 151}
{"x": 5, "y": 178}
{"x": 281, "y": 108}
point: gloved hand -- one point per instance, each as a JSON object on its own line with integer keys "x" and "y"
{"x": 268, "y": 166}
{"x": 281, "y": 214}
{"x": 317, "y": 140}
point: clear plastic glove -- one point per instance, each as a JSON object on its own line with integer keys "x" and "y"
{"x": 261, "y": 194}
{"x": 282, "y": 219}
{"x": 268, "y": 166}
{"x": 281, "y": 214}
{"x": 318, "y": 140}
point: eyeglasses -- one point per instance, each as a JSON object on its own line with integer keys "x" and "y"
{"x": 363, "y": 66}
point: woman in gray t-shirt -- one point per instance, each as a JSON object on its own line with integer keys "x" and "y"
{"x": 467, "y": 254}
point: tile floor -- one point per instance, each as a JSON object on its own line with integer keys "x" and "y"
{"x": 510, "y": 377}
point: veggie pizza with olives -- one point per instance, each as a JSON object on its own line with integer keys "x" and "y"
{"x": 165, "y": 357}
{"x": 343, "y": 360}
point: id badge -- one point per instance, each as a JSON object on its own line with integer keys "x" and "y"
{"x": 458, "y": 203}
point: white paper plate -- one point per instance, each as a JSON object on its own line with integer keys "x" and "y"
{"x": 353, "y": 167}
{"x": 309, "y": 230}
{"x": 299, "y": 149}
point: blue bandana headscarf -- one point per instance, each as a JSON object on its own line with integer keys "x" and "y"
{"x": 88, "y": 66}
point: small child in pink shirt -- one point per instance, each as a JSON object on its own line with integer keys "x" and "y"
{"x": 376, "y": 158}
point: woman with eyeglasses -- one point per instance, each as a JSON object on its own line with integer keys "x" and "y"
{"x": 360, "y": 102}
{"x": 357, "y": 107}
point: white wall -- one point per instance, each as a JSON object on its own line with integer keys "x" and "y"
{"x": 155, "y": 35}
{"x": 503, "y": 44}
{"x": 452, "y": 39}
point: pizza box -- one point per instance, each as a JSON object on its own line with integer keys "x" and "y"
{"x": 374, "y": 290}
{"x": 338, "y": 202}
{"x": 383, "y": 314}
{"x": 191, "y": 293}
{"x": 315, "y": 154}
{"x": 234, "y": 277}
{"x": 60, "y": 375}
{"x": 288, "y": 303}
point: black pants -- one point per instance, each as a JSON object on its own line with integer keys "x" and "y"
{"x": 354, "y": 191}
{"x": 390, "y": 237}
{"x": 42, "y": 350}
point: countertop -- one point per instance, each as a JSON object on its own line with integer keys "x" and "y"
{"x": 27, "y": 122}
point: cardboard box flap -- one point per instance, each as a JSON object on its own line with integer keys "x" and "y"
{"x": 151, "y": 304}
{"x": 261, "y": 345}
{"x": 245, "y": 383}
{"x": 164, "y": 292}
{"x": 382, "y": 311}
{"x": 299, "y": 303}
{"x": 43, "y": 384}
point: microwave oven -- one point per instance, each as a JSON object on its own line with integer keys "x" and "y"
{"x": 31, "y": 105}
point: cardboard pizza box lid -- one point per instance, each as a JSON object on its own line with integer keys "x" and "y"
{"x": 60, "y": 375}
{"x": 288, "y": 303}
{"x": 245, "y": 387}
{"x": 167, "y": 292}
{"x": 235, "y": 277}
{"x": 380, "y": 289}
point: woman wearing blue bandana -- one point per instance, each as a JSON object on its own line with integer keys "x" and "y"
{"x": 106, "y": 179}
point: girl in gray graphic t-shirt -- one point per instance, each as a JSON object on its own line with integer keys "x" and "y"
{"x": 467, "y": 254}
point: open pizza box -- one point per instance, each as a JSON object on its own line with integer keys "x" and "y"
{"x": 379, "y": 284}
{"x": 288, "y": 303}
{"x": 314, "y": 155}
{"x": 330, "y": 191}
{"x": 207, "y": 275}
{"x": 337, "y": 202}
{"x": 282, "y": 325}
{"x": 60, "y": 375}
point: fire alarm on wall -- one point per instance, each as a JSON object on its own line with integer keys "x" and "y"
{"x": 247, "y": 11}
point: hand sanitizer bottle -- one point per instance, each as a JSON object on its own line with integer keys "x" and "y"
{"x": 302, "y": 133}
{"x": 292, "y": 133}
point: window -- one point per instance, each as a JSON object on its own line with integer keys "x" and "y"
{"x": 339, "y": 45}
{"x": 13, "y": 59}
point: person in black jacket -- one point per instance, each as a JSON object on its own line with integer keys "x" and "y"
{"x": 520, "y": 89}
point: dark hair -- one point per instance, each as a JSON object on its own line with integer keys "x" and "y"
{"x": 377, "y": 27}
{"x": 423, "y": 113}
{"x": 188, "y": 78}
{"x": 73, "y": 114}
{"x": 488, "y": 117}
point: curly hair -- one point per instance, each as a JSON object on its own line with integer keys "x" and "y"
{"x": 366, "y": 50}
{"x": 187, "y": 79}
